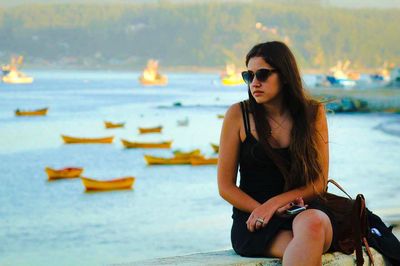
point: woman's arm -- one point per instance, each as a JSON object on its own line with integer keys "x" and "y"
{"x": 228, "y": 160}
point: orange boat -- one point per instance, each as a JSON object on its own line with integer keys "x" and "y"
{"x": 68, "y": 172}
{"x": 113, "y": 125}
{"x": 38, "y": 112}
{"x": 147, "y": 145}
{"x": 203, "y": 161}
{"x": 74, "y": 140}
{"x": 103, "y": 185}
{"x": 143, "y": 130}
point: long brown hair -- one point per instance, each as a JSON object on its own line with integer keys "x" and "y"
{"x": 304, "y": 166}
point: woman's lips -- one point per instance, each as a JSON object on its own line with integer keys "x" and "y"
{"x": 257, "y": 93}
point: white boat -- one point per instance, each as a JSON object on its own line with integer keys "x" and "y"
{"x": 12, "y": 75}
{"x": 16, "y": 77}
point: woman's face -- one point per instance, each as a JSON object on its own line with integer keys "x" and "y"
{"x": 268, "y": 91}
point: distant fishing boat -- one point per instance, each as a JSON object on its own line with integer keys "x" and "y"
{"x": 183, "y": 122}
{"x": 68, "y": 172}
{"x": 151, "y": 76}
{"x": 339, "y": 76}
{"x": 146, "y": 130}
{"x": 38, "y": 112}
{"x": 230, "y": 77}
{"x": 108, "y": 124}
{"x": 146, "y": 145}
{"x": 12, "y": 75}
{"x": 103, "y": 185}
{"x": 78, "y": 140}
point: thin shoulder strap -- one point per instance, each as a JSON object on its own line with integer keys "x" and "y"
{"x": 246, "y": 120}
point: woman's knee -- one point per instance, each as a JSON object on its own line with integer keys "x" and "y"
{"x": 311, "y": 222}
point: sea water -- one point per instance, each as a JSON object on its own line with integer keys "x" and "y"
{"x": 172, "y": 210}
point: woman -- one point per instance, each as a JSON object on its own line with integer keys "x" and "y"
{"x": 279, "y": 139}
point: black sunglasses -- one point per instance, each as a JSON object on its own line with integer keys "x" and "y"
{"x": 262, "y": 75}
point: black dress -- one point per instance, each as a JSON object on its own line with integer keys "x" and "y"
{"x": 261, "y": 179}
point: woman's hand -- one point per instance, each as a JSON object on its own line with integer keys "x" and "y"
{"x": 260, "y": 217}
{"x": 281, "y": 211}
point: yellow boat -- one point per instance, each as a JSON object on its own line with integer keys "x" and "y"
{"x": 233, "y": 80}
{"x": 38, "y": 112}
{"x": 230, "y": 77}
{"x": 16, "y": 77}
{"x": 215, "y": 147}
{"x": 153, "y": 160}
{"x": 74, "y": 140}
{"x": 145, "y": 130}
{"x": 68, "y": 172}
{"x": 220, "y": 116}
{"x": 160, "y": 80}
{"x": 180, "y": 154}
{"x": 108, "y": 124}
{"x": 151, "y": 76}
{"x": 113, "y": 184}
{"x": 146, "y": 145}
{"x": 203, "y": 161}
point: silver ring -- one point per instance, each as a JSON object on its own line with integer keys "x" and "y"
{"x": 259, "y": 219}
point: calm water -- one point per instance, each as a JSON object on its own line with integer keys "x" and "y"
{"x": 173, "y": 210}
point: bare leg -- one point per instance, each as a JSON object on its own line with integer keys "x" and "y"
{"x": 278, "y": 245}
{"x": 312, "y": 235}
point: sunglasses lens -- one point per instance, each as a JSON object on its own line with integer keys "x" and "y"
{"x": 263, "y": 74}
{"x": 248, "y": 76}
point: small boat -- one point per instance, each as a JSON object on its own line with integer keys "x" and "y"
{"x": 146, "y": 130}
{"x": 230, "y": 77}
{"x": 203, "y": 161}
{"x": 153, "y": 160}
{"x": 183, "y": 122}
{"x": 146, "y": 145}
{"x": 68, "y": 172}
{"x": 180, "y": 154}
{"x": 38, "y": 112}
{"x": 215, "y": 147}
{"x": 151, "y": 76}
{"x": 108, "y": 124}
{"x": 11, "y": 74}
{"x": 220, "y": 116}
{"x": 103, "y": 185}
{"x": 75, "y": 140}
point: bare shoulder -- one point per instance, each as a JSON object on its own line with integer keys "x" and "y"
{"x": 234, "y": 112}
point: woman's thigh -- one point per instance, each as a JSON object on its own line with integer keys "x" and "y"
{"x": 278, "y": 244}
{"x": 312, "y": 222}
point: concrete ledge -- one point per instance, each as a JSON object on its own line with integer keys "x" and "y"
{"x": 230, "y": 258}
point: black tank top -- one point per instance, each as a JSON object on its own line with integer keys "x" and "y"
{"x": 260, "y": 178}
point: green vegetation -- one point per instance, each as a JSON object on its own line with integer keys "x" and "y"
{"x": 205, "y": 35}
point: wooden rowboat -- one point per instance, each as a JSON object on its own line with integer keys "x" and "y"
{"x": 146, "y": 145}
{"x": 143, "y": 130}
{"x": 215, "y": 147}
{"x": 153, "y": 160}
{"x": 38, "y": 112}
{"x": 68, "y": 172}
{"x": 113, "y": 125}
{"x": 203, "y": 161}
{"x": 113, "y": 184}
{"x": 74, "y": 140}
{"x": 180, "y": 154}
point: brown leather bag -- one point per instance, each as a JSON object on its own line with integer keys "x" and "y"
{"x": 351, "y": 224}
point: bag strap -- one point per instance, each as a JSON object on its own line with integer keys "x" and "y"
{"x": 339, "y": 187}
